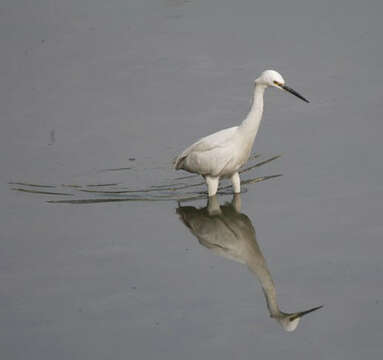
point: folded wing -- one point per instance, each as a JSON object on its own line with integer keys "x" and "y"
{"x": 209, "y": 155}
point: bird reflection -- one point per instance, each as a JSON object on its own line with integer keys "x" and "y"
{"x": 229, "y": 233}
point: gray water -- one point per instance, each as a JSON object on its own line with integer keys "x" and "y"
{"x": 107, "y": 93}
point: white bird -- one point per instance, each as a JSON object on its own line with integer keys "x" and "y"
{"x": 229, "y": 233}
{"x": 220, "y": 155}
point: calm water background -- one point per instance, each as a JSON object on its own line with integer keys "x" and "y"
{"x": 86, "y": 85}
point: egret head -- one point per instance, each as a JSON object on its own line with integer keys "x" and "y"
{"x": 290, "y": 322}
{"x": 275, "y": 79}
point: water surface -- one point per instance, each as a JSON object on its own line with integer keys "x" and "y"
{"x": 98, "y": 98}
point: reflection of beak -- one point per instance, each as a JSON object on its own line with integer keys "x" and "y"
{"x": 292, "y": 91}
{"x": 303, "y": 313}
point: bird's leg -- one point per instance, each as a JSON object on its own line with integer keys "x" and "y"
{"x": 213, "y": 207}
{"x": 212, "y": 185}
{"x": 236, "y": 183}
{"x": 236, "y": 202}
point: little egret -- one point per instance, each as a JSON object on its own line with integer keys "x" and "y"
{"x": 227, "y": 232}
{"x": 220, "y": 155}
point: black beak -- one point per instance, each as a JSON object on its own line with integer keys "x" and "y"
{"x": 292, "y": 91}
{"x": 303, "y": 313}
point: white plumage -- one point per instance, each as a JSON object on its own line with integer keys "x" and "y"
{"x": 221, "y": 155}
{"x": 229, "y": 233}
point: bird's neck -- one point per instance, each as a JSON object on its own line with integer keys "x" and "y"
{"x": 251, "y": 124}
{"x": 259, "y": 267}
{"x": 271, "y": 301}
